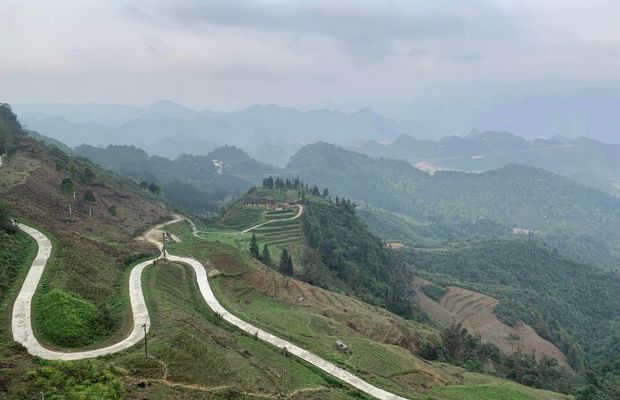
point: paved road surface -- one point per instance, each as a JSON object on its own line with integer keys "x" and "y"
{"x": 21, "y": 323}
{"x": 22, "y": 326}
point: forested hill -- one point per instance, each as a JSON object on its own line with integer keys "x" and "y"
{"x": 197, "y": 183}
{"x": 513, "y": 196}
{"x": 331, "y": 247}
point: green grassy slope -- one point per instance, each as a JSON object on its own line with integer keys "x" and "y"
{"x": 197, "y": 348}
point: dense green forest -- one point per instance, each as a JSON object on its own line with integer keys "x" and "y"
{"x": 575, "y": 306}
{"x": 358, "y": 258}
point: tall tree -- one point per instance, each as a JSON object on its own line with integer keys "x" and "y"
{"x": 286, "y": 263}
{"x": 155, "y": 189}
{"x": 283, "y": 261}
{"x": 254, "y": 252}
{"x": 266, "y": 256}
{"x": 67, "y": 187}
{"x": 289, "y": 266}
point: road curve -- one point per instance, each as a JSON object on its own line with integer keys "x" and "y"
{"x": 21, "y": 322}
{"x": 22, "y": 326}
{"x": 299, "y": 212}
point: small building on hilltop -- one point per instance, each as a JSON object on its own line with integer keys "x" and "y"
{"x": 263, "y": 201}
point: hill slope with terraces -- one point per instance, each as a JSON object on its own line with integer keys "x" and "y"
{"x": 476, "y": 312}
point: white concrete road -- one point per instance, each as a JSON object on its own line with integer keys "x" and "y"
{"x": 22, "y": 326}
{"x": 21, "y": 323}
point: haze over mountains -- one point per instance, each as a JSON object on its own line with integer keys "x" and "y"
{"x": 169, "y": 129}
{"x": 272, "y": 133}
{"x": 586, "y": 160}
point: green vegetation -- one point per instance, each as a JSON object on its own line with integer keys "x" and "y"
{"x": 493, "y": 391}
{"x": 358, "y": 259}
{"x": 562, "y": 210}
{"x": 280, "y": 234}
{"x": 458, "y": 347}
{"x": 14, "y": 248}
{"x": 6, "y": 224}
{"x": 69, "y": 320}
{"x": 239, "y": 218}
{"x": 272, "y": 302}
{"x": 286, "y": 263}
{"x": 434, "y": 291}
{"x": 10, "y": 129}
{"x": 75, "y": 380}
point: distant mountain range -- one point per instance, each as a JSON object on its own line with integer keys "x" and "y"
{"x": 169, "y": 129}
{"x": 587, "y": 161}
{"x": 531, "y": 112}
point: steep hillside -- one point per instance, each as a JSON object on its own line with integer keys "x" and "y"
{"x": 93, "y": 218}
{"x": 329, "y": 245}
{"x": 381, "y": 345}
{"x": 476, "y": 312}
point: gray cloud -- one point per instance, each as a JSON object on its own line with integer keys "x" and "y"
{"x": 233, "y": 53}
{"x": 362, "y": 28}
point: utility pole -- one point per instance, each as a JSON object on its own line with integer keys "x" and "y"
{"x": 163, "y": 244}
{"x": 146, "y": 349}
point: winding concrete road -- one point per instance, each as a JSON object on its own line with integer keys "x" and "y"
{"x": 299, "y": 212}
{"x": 22, "y": 326}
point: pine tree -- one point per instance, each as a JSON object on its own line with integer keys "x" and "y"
{"x": 286, "y": 264}
{"x": 266, "y": 257}
{"x": 289, "y": 266}
{"x": 254, "y": 247}
{"x": 67, "y": 187}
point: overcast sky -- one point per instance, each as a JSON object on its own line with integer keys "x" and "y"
{"x": 232, "y": 53}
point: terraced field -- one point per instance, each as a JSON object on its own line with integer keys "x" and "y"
{"x": 280, "y": 233}
{"x": 476, "y": 312}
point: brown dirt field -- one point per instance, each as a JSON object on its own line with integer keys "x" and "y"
{"x": 475, "y": 311}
